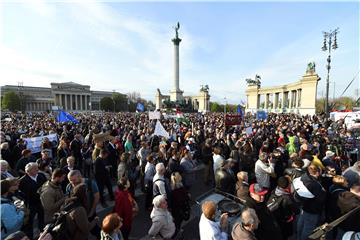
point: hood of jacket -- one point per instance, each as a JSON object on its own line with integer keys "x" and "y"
{"x": 158, "y": 214}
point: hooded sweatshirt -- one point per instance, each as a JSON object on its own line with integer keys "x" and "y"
{"x": 162, "y": 223}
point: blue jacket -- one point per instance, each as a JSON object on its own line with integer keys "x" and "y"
{"x": 11, "y": 218}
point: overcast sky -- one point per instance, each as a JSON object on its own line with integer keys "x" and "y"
{"x": 127, "y": 46}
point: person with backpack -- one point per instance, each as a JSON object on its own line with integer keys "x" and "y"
{"x": 77, "y": 222}
{"x": 12, "y": 216}
{"x": 159, "y": 182}
{"x": 268, "y": 225}
{"x": 283, "y": 206}
{"x": 93, "y": 196}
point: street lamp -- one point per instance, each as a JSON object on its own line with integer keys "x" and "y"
{"x": 328, "y": 45}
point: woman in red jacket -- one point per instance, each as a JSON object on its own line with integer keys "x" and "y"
{"x": 125, "y": 206}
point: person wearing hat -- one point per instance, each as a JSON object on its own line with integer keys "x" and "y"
{"x": 12, "y": 218}
{"x": 25, "y": 159}
{"x": 329, "y": 161}
{"x": 268, "y": 225}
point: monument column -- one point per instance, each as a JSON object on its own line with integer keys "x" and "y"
{"x": 176, "y": 93}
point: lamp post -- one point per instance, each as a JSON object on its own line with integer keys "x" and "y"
{"x": 328, "y": 45}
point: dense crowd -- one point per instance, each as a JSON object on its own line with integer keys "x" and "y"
{"x": 290, "y": 173}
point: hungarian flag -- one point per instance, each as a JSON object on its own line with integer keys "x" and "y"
{"x": 180, "y": 118}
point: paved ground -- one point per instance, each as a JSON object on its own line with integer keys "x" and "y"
{"x": 142, "y": 221}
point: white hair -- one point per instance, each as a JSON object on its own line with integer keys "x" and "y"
{"x": 4, "y": 145}
{"x": 158, "y": 200}
{"x": 248, "y": 217}
{"x": 30, "y": 166}
{"x": 4, "y": 163}
{"x": 159, "y": 167}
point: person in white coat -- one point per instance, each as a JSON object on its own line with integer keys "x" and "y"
{"x": 208, "y": 227}
{"x": 264, "y": 168}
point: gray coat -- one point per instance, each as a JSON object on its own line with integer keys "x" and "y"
{"x": 52, "y": 197}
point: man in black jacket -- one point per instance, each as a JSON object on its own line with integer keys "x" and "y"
{"x": 225, "y": 178}
{"x": 75, "y": 147}
{"x": 29, "y": 185}
{"x": 312, "y": 196}
{"x": 268, "y": 227}
{"x": 347, "y": 201}
{"x": 102, "y": 175}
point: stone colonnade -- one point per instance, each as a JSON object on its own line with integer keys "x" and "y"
{"x": 298, "y": 97}
{"x": 38, "y": 106}
{"x": 67, "y": 101}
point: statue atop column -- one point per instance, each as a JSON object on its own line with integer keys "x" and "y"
{"x": 310, "y": 68}
{"x": 176, "y": 30}
{"x": 255, "y": 82}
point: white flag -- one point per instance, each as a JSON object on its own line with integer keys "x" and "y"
{"x": 160, "y": 130}
{"x": 154, "y": 115}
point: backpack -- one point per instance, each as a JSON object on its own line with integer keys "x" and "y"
{"x": 59, "y": 227}
{"x": 274, "y": 203}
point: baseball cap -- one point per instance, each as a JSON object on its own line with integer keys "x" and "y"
{"x": 257, "y": 189}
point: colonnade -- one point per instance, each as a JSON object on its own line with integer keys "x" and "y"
{"x": 73, "y": 101}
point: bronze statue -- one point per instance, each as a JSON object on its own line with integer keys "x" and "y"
{"x": 255, "y": 82}
{"x": 310, "y": 67}
{"x": 176, "y": 30}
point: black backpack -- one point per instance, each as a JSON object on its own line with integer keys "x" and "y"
{"x": 59, "y": 227}
{"x": 274, "y": 203}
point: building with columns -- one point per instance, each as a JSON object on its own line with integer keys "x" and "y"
{"x": 298, "y": 97}
{"x": 68, "y": 96}
{"x": 201, "y": 102}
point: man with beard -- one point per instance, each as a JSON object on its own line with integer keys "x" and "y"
{"x": 51, "y": 195}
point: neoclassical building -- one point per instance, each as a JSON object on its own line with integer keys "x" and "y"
{"x": 68, "y": 96}
{"x": 298, "y": 97}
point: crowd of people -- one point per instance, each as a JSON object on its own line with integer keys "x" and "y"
{"x": 290, "y": 173}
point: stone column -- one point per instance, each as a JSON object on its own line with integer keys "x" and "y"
{"x": 66, "y": 102}
{"x": 81, "y": 102}
{"x": 86, "y": 104}
{"x": 77, "y": 102}
{"x": 88, "y": 100}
